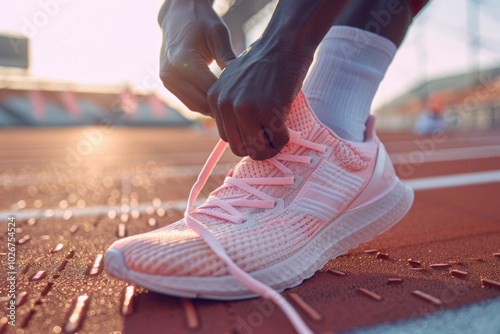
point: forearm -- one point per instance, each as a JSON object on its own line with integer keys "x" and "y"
{"x": 166, "y": 6}
{"x": 298, "y": 26}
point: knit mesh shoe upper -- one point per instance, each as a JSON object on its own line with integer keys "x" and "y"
{"x": 315, "y": 182}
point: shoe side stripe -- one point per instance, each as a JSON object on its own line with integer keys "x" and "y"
{"x": 331, "y": 197}
{"x": 332, "y": 172}
{"x": 319, "y": 210}
{"x": 319, "y": 205}
{"x": 325, "y": 200}
{"x": 328, "y": 192}
{"x": 322, "y": 202}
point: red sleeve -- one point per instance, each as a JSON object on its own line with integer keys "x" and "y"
{"x": 417, "y": 5}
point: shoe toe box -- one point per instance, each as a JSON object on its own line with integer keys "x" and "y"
{"x": 169, "y": 251}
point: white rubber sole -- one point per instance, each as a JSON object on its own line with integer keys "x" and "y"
{"x": 347, "y": 231}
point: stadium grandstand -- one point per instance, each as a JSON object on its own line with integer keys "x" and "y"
{"x": 26, "y": 100}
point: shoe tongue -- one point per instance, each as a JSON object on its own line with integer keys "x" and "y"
{"x": 301, "y": 118}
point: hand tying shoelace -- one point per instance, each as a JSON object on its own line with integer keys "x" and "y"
{"x": 234, "y": 216}
{"x": 263, "y": 201}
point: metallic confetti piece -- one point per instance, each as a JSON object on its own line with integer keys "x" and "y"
{"x": 427, "y": 297}
{"x": 192, "y": 320}
{"x": 370, "y": 294}
{"x": 76, "y": 318}
{"x": 305, "y": 307}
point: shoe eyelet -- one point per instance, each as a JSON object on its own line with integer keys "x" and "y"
{"x": 328, "y": 151}
{"x": 246, "y": 223}
{"x": 297, "y": 180}
{"x": 315, "y": 159}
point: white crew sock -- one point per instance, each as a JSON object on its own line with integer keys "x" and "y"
{"x": 344, "y": 77}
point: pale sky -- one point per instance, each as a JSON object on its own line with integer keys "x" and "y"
{"x": 118, "y": 41}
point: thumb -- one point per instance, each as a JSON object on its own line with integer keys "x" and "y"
{"x": 224, "y": 52}
{"x": 224, "y": 57}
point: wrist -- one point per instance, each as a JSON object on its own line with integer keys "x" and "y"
{"x": 286, "y": 39}
{"x": 300, "y": 25}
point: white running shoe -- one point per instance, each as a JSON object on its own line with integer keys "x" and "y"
{"x": 272, "y": 223}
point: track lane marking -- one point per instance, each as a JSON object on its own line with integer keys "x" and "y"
{"x": 451, "y": 154}
{"x": 425, "y": 183}
{"x": 457, "y": 180}
{"x": 414, "y": 158}
{"x": 432, "y": 155}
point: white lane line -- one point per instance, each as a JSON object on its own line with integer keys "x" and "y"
{"x": 416, "y": 157}
{"x": 165, "y": 156}
{"x": 398, "y": 143}
{"x": 93, "y": 211}
{"x": 417, "y": 184}
{"x": 457, "y": 180}
{"x": 158, "y": 173}
{"x": 419, "y": 156}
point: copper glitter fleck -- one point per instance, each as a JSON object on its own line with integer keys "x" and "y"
{"x": 21, "y": 298}
{"x": 122, "y": 230}
{"x": 394, "y": 281}
{"x": 305, "y": 307}
{"x": 97, "y": 266}
{"x": 129, "y": 300}
{"x": 490, "y": 283}
{"x": 57, "y": 248}
{"x": 73, "y": 229}
{"x": 427, "y": 297}
{"x": 381, "y": 255}
{"x": 440, "y": 265}
{"x": 458, "y": 273}
{"x": 77, "y": 314}
{"x": 192, "y": 320}
{"x": 336, "y": 272}
{"x": 38, "y": 276}
{"x": 24, "y": 239}
{"x": 46, "y": 289}
{"x": 70, "y": 254}
{"x": 414, "y": 263}
{"x": 370, "y": 294}
{"x": 62, "y": 265}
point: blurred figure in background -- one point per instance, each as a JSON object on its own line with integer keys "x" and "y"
{"x": 432, "y": 118}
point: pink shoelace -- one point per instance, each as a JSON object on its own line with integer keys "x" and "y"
{"x": 232, "y": 215}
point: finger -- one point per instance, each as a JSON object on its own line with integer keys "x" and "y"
{"x": 276, "y": 139}
{"x": 203, "y": 78}
{"x": 232, "y": 130}
{"x": 260, "y": 143}
{"x": 220, "y": 125}
{"x": 192, "y": 97}
{"x": 265, "y": 133}
{"x": 191, "y": 67}
{"x": 213, "y": 103}
{"x": 221, "y": 47}
{"x": 183, "y": 86}
{"x": 273, "y": 134}
{"x": 275, "y": 128}
{"x": 257, "y": 147}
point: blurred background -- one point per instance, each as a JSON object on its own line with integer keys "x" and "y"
{"x": 67, "y": 63}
